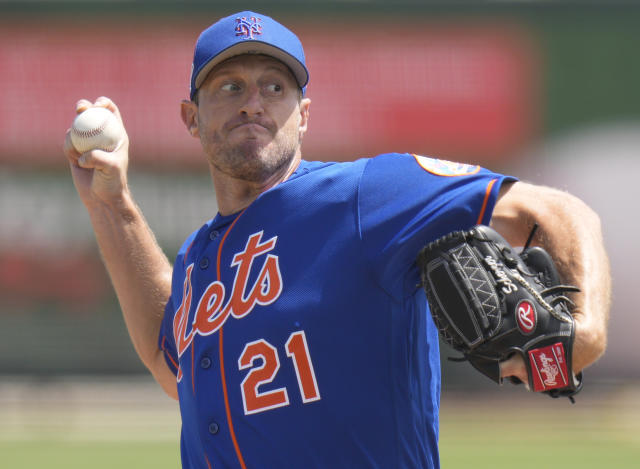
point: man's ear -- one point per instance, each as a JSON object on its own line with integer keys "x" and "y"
{"x": 189, "y": 114}
{"x": 305, "y": 103}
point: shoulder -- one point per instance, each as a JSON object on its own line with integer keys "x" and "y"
{"x": 355, "y": 168}
{"x": 429, "y": 165}
{"x": 411, "y": 169}
{"x": 316, "y": 178}
{"x": 329, "y": 168}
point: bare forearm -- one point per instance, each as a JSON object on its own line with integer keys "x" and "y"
{"x": 139, "y": 270}
{"x": 577, "y": 245}
{"x": 570, "y": 231}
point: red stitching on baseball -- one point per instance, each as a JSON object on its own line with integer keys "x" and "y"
{"x": 91, "y": 132}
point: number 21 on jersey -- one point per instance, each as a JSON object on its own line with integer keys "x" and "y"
{"x": 255, "y": 401}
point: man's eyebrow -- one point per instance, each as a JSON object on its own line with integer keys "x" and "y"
{"x": 282, "y": 68}
{"x": 222, "y": 71}
{"x": 278, "y": 66}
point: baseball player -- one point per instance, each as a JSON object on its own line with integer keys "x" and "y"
{"x": 292, "y": 327}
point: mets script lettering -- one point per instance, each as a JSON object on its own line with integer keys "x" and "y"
{"x": 211, "y": 311}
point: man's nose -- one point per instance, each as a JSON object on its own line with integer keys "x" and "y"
{"x": 253, "y": 103}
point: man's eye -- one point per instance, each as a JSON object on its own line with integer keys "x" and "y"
{"x": 230, "y": 87}
{"x": 274, "y": 88}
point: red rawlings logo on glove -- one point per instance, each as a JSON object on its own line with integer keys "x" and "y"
{"x": 549, "y": 368}
{"x": 526, "y": 317}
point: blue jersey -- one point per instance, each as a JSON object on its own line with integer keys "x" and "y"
{"x": 297, "y": 328}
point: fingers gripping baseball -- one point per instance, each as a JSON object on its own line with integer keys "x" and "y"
{"x": 97, "y": 149}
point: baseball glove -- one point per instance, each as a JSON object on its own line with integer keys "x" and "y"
{"x": 489, "y": 302}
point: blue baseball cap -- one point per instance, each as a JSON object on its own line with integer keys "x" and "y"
{"x": 247, "y": 33}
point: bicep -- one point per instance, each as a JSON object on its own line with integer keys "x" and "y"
{"x": 520, "y": 205}
{"x": 571, "y": 233}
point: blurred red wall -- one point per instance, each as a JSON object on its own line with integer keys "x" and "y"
{"x": 467, "y": 91}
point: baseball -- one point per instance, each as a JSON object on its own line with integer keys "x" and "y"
{"x": 97, "y": 128}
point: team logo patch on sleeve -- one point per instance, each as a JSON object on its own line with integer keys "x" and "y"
{"x": 444, "y": 167}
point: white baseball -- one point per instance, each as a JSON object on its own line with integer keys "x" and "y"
{"x": 97, "y": 128}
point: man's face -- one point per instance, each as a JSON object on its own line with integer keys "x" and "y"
{"x": 250, "y": 118}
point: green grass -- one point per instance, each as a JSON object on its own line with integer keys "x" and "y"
{"x": 527, "y": 431}
{"x": 499, "y": 448}
{"x": 89, "y": 455}
{"x": 135, "y": 426}
{"x": 494, "y": 444}
{"x": 494, "y": 448}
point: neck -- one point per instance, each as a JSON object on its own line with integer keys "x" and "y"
{"x": 235, "y": 194}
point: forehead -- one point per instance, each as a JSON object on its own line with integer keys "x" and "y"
{"x": 246, "y": 62}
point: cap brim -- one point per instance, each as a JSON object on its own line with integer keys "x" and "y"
{"x": 256, "y": 47}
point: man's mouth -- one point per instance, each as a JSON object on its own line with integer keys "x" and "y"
{"x": 251, "y": 126}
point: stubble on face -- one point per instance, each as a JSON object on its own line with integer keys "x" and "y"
{"x": 251, "y": 158}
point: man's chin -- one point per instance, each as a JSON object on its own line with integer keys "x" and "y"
{"x": 252, "y": 159}
{"x": 253, "y": 147}
{"x": 249, "y": 133}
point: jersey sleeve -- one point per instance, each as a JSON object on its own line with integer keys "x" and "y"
{"x": 166, "y": 339}
{"x": 406, "y": 201}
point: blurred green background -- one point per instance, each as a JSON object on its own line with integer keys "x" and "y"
{"x": 544, "y": 90}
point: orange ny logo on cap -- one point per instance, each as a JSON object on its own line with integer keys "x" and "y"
{"x": 248, "y": 27}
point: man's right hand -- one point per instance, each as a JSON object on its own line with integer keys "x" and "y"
{"x": 99, "y": 176}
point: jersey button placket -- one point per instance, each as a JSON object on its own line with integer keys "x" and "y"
{"x": 204, "y": 263}
{"x": 205, "y": 362}
{"x": 214, "y": 428}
